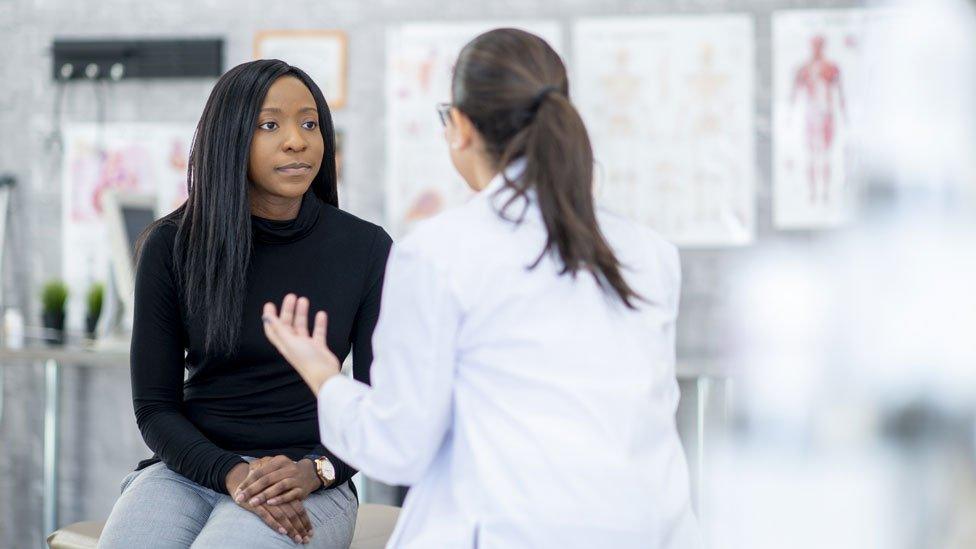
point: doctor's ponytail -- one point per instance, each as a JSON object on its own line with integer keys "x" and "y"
{"x": 513, "y": 87}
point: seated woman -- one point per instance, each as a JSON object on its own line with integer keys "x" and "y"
{"x": 261, "y": 220}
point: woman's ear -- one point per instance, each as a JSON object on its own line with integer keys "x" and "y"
{"x": 464, "y": 131}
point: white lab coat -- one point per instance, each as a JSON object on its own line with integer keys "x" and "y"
{"x": 524, "y": 408}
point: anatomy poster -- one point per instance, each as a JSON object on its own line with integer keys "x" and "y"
{"x": 668, "y": 102}
{"x": 420, "y": 179}
{"x": 817, "y": 72}
{"x": 144, "y": 159}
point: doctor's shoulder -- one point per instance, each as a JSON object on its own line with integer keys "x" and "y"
{"x": 449, "y": 235}
{"x": 641, "y": 248}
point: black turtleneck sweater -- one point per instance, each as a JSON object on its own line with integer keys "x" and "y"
{"x": 251, "y": 403}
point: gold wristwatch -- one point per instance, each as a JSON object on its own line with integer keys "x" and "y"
{"x": 325, "y": 471}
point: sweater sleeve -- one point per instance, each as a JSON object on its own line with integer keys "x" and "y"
{"x": 157, "y": 369}
{"x": 362, "y": 333}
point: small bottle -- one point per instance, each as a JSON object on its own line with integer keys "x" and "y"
{"x": 13, "y": 329}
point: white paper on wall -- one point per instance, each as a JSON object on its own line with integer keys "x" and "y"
{"x": 818, "y": 70}
{"x": 321, "y": 54}
{"x": 669, "y": 102}
{"x": 146, "y": 159}
{"x": 420, "y": 180}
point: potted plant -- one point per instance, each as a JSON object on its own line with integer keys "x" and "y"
{"x": 53, "y": 297}
{"x": 96, "y": 294}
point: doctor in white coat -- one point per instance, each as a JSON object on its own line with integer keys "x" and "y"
{"x": 523, "y": 382}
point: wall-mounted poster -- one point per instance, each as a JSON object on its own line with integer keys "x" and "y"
{"x": 818, "y": 69}
{"x": 148, "y": 159}
{"x": 669, "y": 102}
{"x": 320, "y": 53}
{"x": 420, "y": 179}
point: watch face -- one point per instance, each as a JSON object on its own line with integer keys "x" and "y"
{"x": 326, "y": 470}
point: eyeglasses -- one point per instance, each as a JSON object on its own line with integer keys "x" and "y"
{"x": 444, "y": 112}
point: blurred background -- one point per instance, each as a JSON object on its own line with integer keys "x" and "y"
{"x": 813, "y": 160}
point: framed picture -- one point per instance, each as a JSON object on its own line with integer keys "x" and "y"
{"x": 320, "y": 53}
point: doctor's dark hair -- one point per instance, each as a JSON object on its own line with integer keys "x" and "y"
{"x": 212, "y": 251}
{"x": 513, "y": 87}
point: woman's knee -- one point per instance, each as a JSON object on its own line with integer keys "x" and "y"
{"x": 333, "y": 515}
{"x": 157, "y": 508}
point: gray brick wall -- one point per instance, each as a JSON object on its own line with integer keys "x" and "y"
{"x": 100, "y": 441}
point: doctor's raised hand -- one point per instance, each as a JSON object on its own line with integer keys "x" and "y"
{"x": 288, "y": 332}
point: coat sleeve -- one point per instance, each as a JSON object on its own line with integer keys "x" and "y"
{"x": 392, "y": 430}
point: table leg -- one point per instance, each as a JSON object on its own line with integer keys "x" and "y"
{"x": 702, "y": 385}
{"x": 52, "y": 427}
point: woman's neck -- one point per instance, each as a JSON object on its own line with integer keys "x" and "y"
{"x": 276, "y": 208}
{"x": 483, "y": 171}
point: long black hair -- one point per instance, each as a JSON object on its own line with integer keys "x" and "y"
{"x": 212, "y": 251}
{"x": 513, "y": 87}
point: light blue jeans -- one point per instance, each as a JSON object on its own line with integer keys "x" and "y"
{"x": 159, "y": 508}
